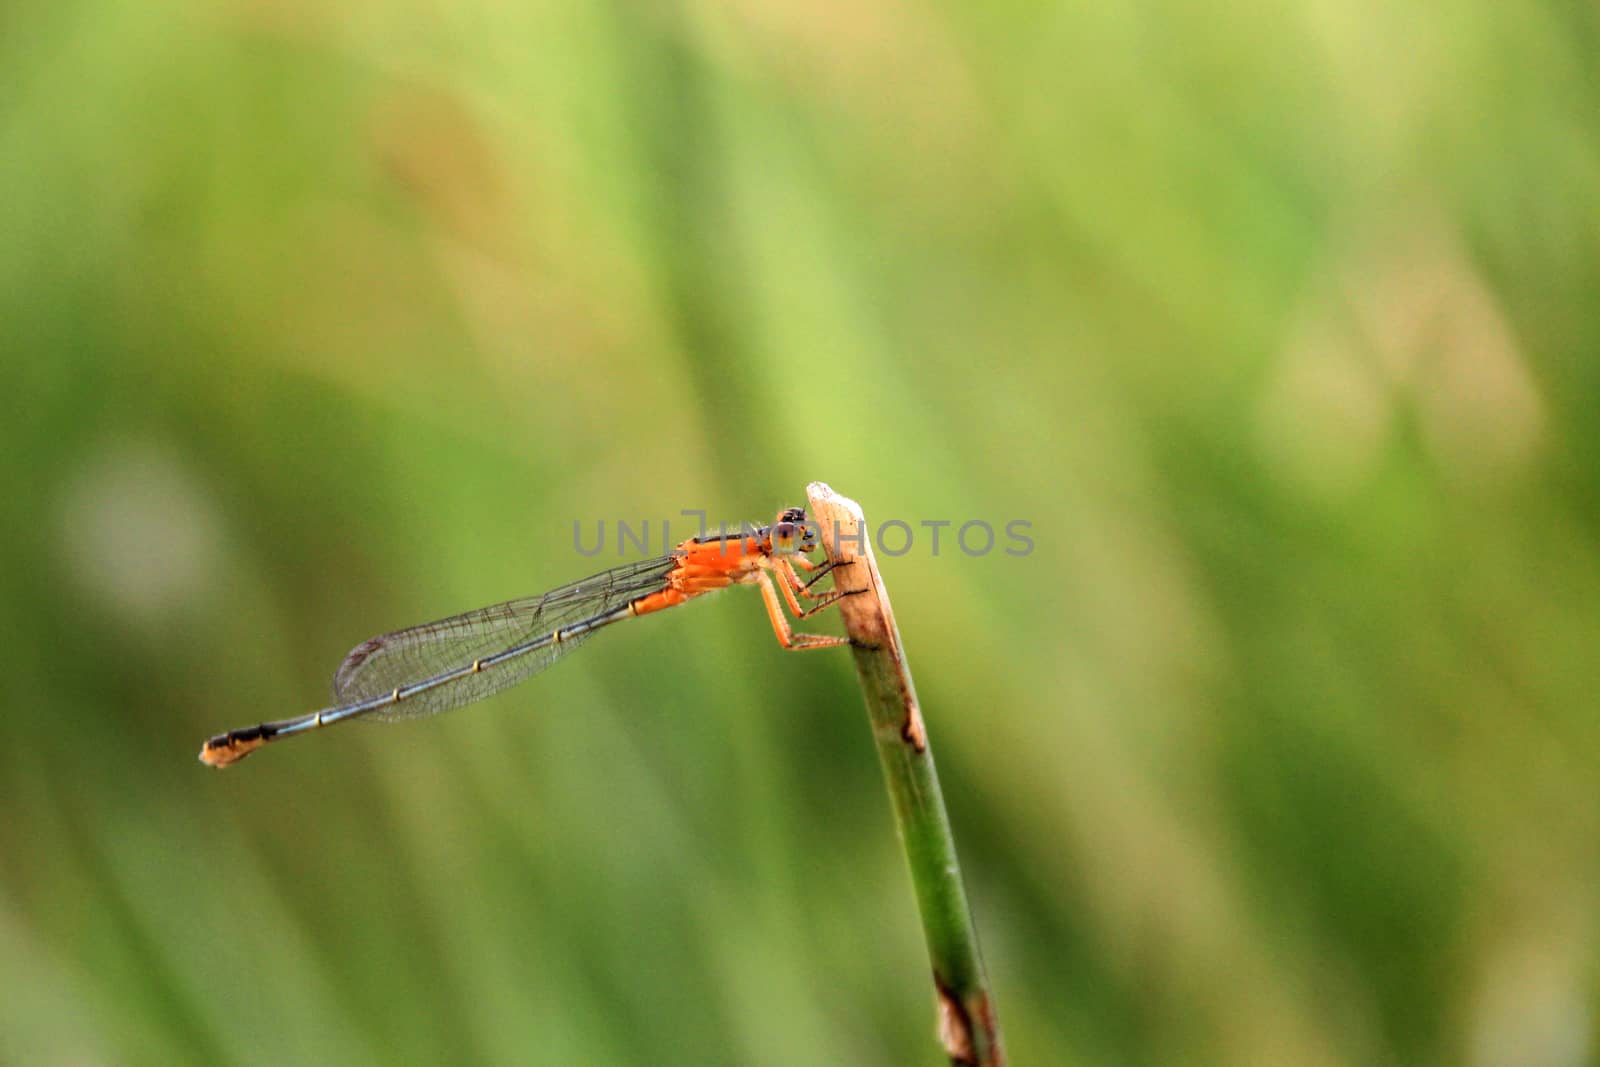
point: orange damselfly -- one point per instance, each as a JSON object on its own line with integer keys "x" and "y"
{"x": 438, "y": 666}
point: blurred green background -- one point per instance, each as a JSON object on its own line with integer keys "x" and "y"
{"x": 1277, "y": 321}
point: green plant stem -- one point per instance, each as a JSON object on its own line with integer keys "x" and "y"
{"x": 968, "y": 1026}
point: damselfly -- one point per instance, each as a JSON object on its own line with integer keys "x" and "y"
{"x": 437, "y": 666}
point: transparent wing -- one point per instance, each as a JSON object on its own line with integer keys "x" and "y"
{"x": 418, "y": 653}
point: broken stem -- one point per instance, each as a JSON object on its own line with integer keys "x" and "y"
{"x": 968, "y": 1027}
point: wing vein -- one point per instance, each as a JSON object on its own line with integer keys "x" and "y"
{"x": 447, "y": 646}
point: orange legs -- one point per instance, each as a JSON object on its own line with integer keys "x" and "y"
{"x": 692, "y": 579}
{"x": 790, "y": 584}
